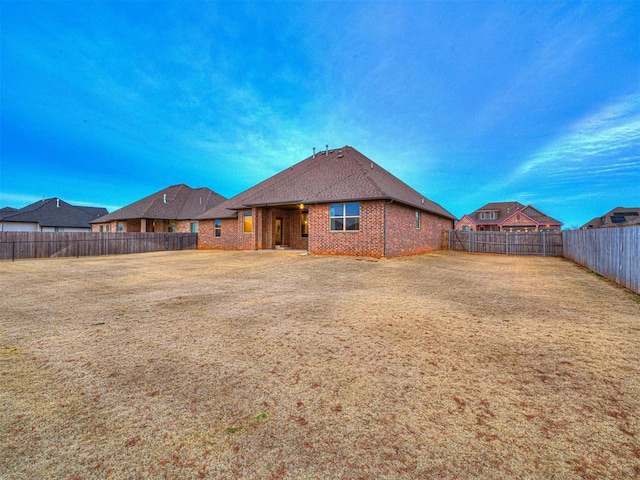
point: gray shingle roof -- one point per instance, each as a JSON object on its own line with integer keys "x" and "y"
{"x": 54, "y": 212}
{"x": 6, "y": 211}
{"x": 616, "y": 217}
{"x": 343, "y": 174}
{"x": 178, "y": 202}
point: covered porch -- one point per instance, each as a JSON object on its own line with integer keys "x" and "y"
{"x": 281, "y": 227}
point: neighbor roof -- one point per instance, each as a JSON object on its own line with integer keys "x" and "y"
{"x": 504, "y": 210}
{"x": 616, "y": 217}
{"x": 338, "y": 175}
{"x": 53, "y": 212}
{"x": 178, "y": 202}
{"x": 7, "y": 211}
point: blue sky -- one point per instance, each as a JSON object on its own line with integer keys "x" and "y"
{"x": 467, "y": 102}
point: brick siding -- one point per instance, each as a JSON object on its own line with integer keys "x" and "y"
{"x": 403, "y": 238}
{"x": 465, "y": 222}
{"x": 368, "y": 241}
{"x": 231, "y": 236}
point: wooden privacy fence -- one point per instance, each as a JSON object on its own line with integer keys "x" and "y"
{"x": 505, "y": 243}
{"x": 16, "y": 245}
{"x": 613, "y": 253}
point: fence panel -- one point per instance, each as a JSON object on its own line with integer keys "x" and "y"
{"x": 504, "y": 243}
{"x": 16, "y": 245}
{"x": 613, "y": 253}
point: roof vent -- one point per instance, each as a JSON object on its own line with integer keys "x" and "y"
{"x": 164, "y": 198}
{"x": 58, "y": 202}
{"x": 326, "y": 150}
{"x": 314, "y": 153}
{"x": 372, "y": 165}
{"x": 423, "y": 200}
{"x": 340, "y": 155}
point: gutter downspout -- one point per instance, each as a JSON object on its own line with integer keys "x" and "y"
{"x": 384, "y": 227}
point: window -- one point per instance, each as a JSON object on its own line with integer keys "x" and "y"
{"x": 466, "y": 228}
{"x": 345, "y": 216}
{"x": 108, "y": 228}
{"x": 247, "y": 223}
{"x": 58, "y": 229}
{"x": 417, "y": 218}
{"x": 217, "y": 227}
{"x": 304, "y": 224}
{"x": 120, "y": 228}
{"x": 101, "y": 228}
{"x": 194, "y": 227}
{"x": 488, "y": 215}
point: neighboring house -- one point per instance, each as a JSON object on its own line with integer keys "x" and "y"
{"x": 7, "y": 211}
{"x": 618, "y": 217}
{"x": 334, "y": 202}
{"x": 50, "y": 215}
{"x": 173, "y": 209}
{"x": 508, "y": 217}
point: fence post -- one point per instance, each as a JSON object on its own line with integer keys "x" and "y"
{"x": 544, "y": 244}
{"x": 506, "y": 243}
{"x": 13, "y": 251}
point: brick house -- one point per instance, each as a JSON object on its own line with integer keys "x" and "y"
{"x": 508, "y": 217}
{"x": 334, "y": 202}
{"x": 173, "y": 209}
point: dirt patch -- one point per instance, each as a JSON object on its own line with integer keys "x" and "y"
{"x": 276, "y": 365}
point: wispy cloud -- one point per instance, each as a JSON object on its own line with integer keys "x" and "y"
{"x": 590, "y": 145}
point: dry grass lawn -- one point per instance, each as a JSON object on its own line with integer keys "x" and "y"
{"x": 273, "y": 365}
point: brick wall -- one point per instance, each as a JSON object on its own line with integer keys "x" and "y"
{"x": 519, "y": 220}
{"x": 263, "y": 237}
{"x": 465, "y": 222}
{"x": 403, "y": 238}
{"x": 183, "y": 226}
{"x": 368, "y": 241}
{"x": 231, "y": 236}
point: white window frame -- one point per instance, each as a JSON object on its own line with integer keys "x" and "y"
{"x": 343, "y": 217}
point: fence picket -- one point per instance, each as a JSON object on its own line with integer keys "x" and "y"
{"x": 17, "y": 245}
{"x": 505, "y": 243}
{"x": 613, "y": 253}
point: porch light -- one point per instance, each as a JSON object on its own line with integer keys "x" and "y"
{"x": 302, "y": 206}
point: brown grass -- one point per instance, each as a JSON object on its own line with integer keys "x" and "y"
{"x": 276, "y": 365}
